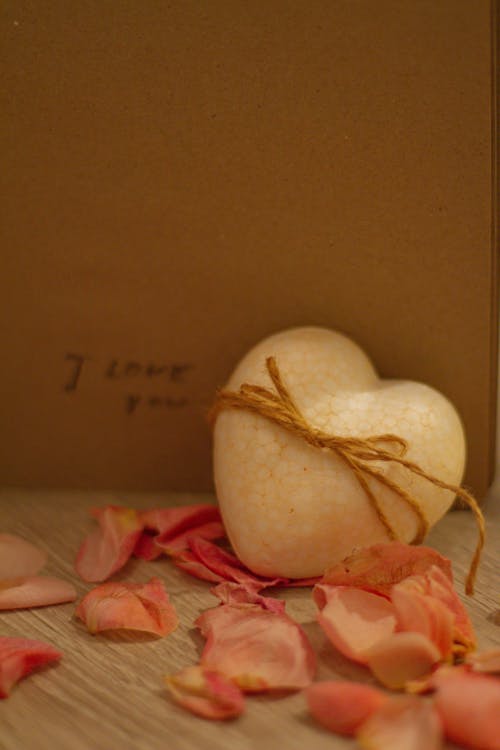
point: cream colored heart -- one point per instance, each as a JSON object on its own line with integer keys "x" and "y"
{"x": 291, "y": 509}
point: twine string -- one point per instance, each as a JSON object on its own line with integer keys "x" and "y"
{"x": 357, "y": 453}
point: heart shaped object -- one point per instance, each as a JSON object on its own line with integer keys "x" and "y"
{"x": 291, "y": 509}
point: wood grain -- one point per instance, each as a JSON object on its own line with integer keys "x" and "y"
{"x": 108, "y": 694}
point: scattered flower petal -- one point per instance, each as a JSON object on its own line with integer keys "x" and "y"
{"x": 35, "y": 591}
{"x": 190, "y": 563}
{"x": 226, "y": 565}
{"x": 468, "y": 705}
{"x": 19, "y": 657}
{"x": 354, "y": 620}
{"x": 379, "y": 567}
{"x": 175, "y": 545}
{"x": 128, "y": 606}
{"x": 238, "y": 593}
{"x": 342, "y": 707}
{"x": 484, "y": 661}
{"x": 402, "y": 723}
{"x": 420, "y": 613}
{"x": 19, "y": 558}
{"x": 257, "y": 648}
{"x": 170, "y": 522}
{"x": 206, "y": 693}
{"x": 146, "y": 547}
{"x": 109, "y": 547}
{"x": 401, "y": 658}
{"x": 440, "y": 586}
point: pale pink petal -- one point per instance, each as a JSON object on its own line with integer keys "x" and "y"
{"x": 441, "y": 588}
{"x": 256, "y": 648}
{"x": 421, "y": 613}
{"x": 206, "y": 693}
{"x": 19, "y": 558}
{"x": 191, "y": 564}
{"x": 227, "y": 565}
{"x": 175, "y": 545}
{"x": 238, "y": 593}
{"x": 401, "y": 658}
{"x": 484, "y": 661}
{"x": 342, "y": 707}
{"x": 35, "y": 591}
{"x": 108, "y": 548}
{"x": 354, "y": 620}
{"x": 468, "y": 705}
{"x": 402, "y": 723}
{"x": 379, "y": 567}
{"x": 170, "y": 522}
{"x": 19, "y": 657}
{"x": 128, "y": 606}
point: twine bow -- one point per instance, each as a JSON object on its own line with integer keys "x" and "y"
{"x": 358, "y": 453}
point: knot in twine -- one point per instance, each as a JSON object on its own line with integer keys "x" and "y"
{"x": 358, "y": 453}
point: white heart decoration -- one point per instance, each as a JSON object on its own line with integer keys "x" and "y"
{"x": 293, "y": 510}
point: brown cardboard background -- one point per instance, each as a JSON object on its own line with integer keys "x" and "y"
{"x": 183, "y": 179}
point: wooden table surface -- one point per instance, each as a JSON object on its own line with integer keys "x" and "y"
{"x": 108, "y": 694}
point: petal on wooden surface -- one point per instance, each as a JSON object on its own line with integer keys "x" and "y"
{"x": 484, "y": 661}
{"x": 19, "y": 557}
{"x": 191, "y": 564}
{"x": 146, "y": 548}
{"x": 379, "y": 567}
{"x": 342, "y": 707}
{"x": 355, "y": 620}
{"x": 170, "y": 522}
{"x": 35, "y": 591}
{"x": 468, "y": 705}
{"x": 421, "y": 613}
{"x": 258, "y": 649}
{"x": 109, "y": 547}
{"x": 401, "y": 658}
{"x": 128, "y": 606}
{"x": 237, "y": 593}
{"x": 206, "y": 693}
{"x": 226, "y": 565}
{"x": 439, "y": 585}
{"x": 19, "y": 657}
{"x": 402, "y": 723}
{"x": 175, "y": 545}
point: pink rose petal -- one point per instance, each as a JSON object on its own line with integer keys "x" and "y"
{"x": 175, "y": 545}
{"x": 19, "y": 657}
{"x": 342, "y": 707}
{"x": 238, "y": 593}
{"x": 402, "y": 723}
{"x": 191, "y": 564}
{"x": 354, "y": 620}
{"x": 206, "y": 693}
{"x": 35, "y": 591}
{"x": 379, "y": 567}
{"x": 128, "y": 606}
{"x": 468, "y": 705}
{"x": 108, "y": 548}
{"x": 257, "y": 648}
{"x": 401, "y": 658}
{"x": 19, "y": 558}
{"x": 439, "y": 586}
{"x": 146, "y": 547}
{"x": 420, "y": 613}
{"x": 170, "y": 522}
{"x": 227, "y": 565}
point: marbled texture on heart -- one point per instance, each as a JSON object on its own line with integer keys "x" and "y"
{"x": 293, "y": 510}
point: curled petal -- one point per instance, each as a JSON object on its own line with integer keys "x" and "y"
{"x": 439, "y": 586}
{"x": 402, "y": 723}
{"x": 191, "y": 564}
{"x": 354, "y": 620}
{"x": 468, "y": 705}
{"x": 484, "y": 661}
{"x": 342, "y": 707}
{"x": 421, "y": 613}
{"x": 35, "y": 591}
{"x": 146, "y": 547}
{"x": 108, "y": 548}
{"x": 226, "y": 565}
{"x": 19, "y": 657}
{"x": 170, "y": 522}
{"x": 402, "y": 658}
{"x": 19, "y": 558}
{"x": 257, "y": 648}
{"x": 175, "y": 545}
{"x": 379, "y": 567}
{"x": 206, "y": 693}
{"x": 128, "y": 606}
{"x": 238, "y": 593}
